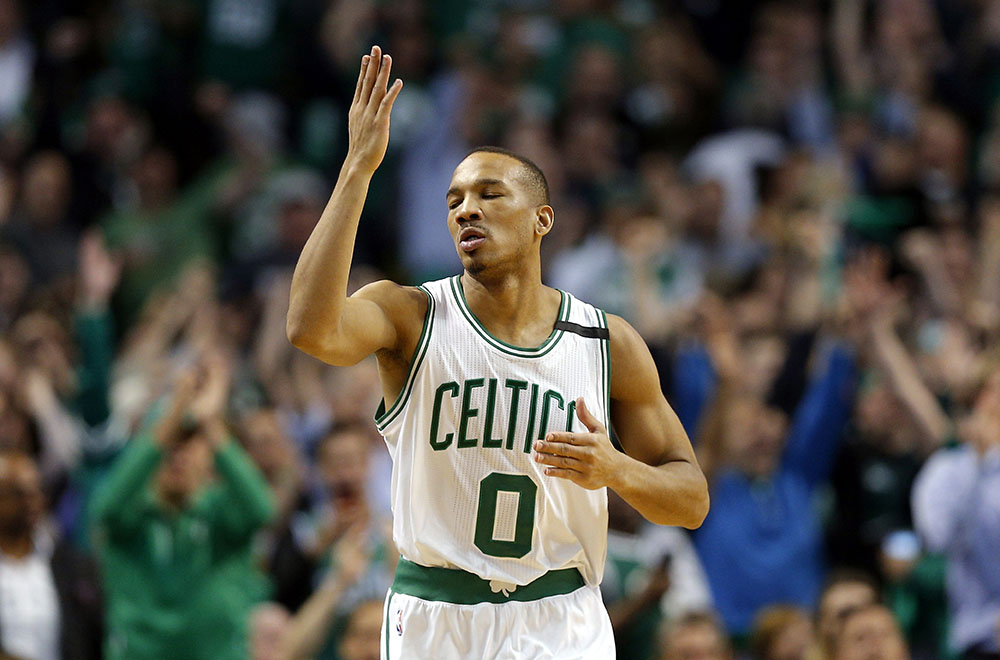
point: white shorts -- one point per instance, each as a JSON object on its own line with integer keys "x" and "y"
{"x": 569, "y": 626}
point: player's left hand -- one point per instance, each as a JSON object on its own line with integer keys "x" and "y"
{"x": 586, "y": 459}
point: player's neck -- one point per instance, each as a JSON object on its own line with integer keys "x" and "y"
{"x": 515, "y": 307}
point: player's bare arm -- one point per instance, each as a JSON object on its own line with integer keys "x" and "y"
{"x": 659, "y": 474}
{"x": 382, "y": 317}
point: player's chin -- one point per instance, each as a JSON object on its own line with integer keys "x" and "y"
{"x": 473, "y": 263}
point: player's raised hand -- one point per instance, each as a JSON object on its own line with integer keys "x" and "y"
{"x": 368, "y": 119}
{"x": 587, "y": 459}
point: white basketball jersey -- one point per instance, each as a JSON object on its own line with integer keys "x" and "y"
{"x": 466, "y": 492}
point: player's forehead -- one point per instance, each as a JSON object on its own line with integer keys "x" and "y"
{"x": 484, "y": 166}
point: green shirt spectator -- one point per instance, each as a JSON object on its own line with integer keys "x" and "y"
{"x": 245, "y": 43}
{"x": 175, "y": 546}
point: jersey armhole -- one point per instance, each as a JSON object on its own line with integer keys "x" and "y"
{"x": 606, "y": 374}
{"x": 384, "y": 417}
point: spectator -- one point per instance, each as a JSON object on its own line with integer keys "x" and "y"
{"x": 652, "y": 575}
{"x": 634, "y": 267}
{"x": 761, "y": 543}
{"x": 268, "y": 625}
{"x": 781, "y": 632}
{"x": 696, "y": 636}
{"x": 245, "y": 46}
{"x": 40, "y": 224}
{"x": 15, "y": 284}
{"x": 276, "y": 457}
{"x": 50, "y": 598}
{"x": 17, "y": 59}
{"x": 176, "y": 549}
{"x": 362, "y": 638}
{"x": 914, "y": 591}
{"x": 345, "y": 511}
{"x": 321, "y": 619}
{"x": 897, "y": 424}
{"x": 161, "y": 234}
{"x": 870, "y": 632}
{"x": 956, "y": 507}
{"x": 845, "y": 590}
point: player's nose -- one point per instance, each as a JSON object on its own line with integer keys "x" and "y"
{"x": 468, "y": 211}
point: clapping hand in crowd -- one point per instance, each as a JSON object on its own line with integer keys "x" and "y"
{"x": 100, "y": 272}
{"x": 979, "y": 427}
{"x": 198, "y": 404}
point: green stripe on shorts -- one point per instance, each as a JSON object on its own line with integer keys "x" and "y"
{"x": 460, "y": 587}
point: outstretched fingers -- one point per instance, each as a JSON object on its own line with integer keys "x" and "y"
{"x": 371, "y": 73}
{"x": 390, "y": 97}
{"x": 382, "y": 81}
{"x": 361, "y": 77}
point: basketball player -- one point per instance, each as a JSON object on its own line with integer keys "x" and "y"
{"x": 498, "y": 396}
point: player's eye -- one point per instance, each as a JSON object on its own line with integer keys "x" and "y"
{"x": 454, "y": 204}
{"x": 491, "y": 195}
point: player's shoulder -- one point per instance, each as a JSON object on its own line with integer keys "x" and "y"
{"x": 625, "y": 340}
{"x": 400, "y": 302}
{"x": 633, "y": 372}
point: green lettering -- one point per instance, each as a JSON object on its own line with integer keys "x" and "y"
{"x": 516, "y": 387}
{"x": 467, "y": 414}
{"x": 549, "y": 396}
{"x": 570, "y": 415}
{"x": 531, "y": 418}
{"x": 491, "y": 402}
{"x": 450, "y": 386}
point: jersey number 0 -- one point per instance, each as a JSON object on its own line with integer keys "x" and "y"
{"x": 496, "y": 534}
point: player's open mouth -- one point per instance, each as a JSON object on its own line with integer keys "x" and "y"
{"x": 470, "y": 239}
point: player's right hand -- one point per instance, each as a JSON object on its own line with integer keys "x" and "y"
{"x": 368, "y": 119}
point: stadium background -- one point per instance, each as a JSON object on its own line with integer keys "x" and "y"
{"x": 795, "y": 203}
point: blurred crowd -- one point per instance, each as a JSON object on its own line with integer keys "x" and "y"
{"x": 796, "y": 203}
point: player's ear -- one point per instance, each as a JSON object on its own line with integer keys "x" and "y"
{"x": 544, "y": 218}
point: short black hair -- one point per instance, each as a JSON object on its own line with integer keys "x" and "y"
{"x": 535, "y": 177}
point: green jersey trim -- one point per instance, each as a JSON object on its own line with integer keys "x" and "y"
{"x": 385, "y": 628}
{"x": 384, "y": 417}
{"x": 499, "y": 344}
{"x": 606, "y": 371}
{"x": 451, "y": 585}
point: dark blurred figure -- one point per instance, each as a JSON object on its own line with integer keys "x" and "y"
{"x": 50, "y": 598}
{"x": 161, "y": 233}
{"x": 115, "y": 133}
{"x": 15, "y": 284}
{"x": 17, "y": 59}
{"x": 40, "y": 224}
{"x": 873, "y": 476}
